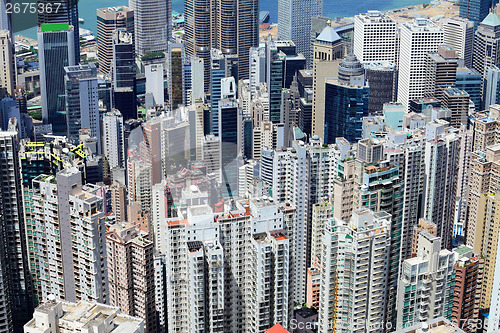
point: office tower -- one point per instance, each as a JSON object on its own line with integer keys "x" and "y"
{"x": 17, "y": 292}
{"x": 196, "y": 128}
{"x": 60, "y": 315}
{"x": 67, "y": 13}
{"x": 210, "y": 146}
{"x": 79, "y": 272}
{"x": 440, "y": 176}
{"x": 471, "y": 81}
{"x": 343, "y": 118}
{"x": 229, "y": 25}
{"x": 476, "y": 10}
{"x": 375, "y": 37}
{"x": 56, "y": 51}
{"x": 154, "y": 84}
{"x": 8, "y": 109}
{"x": 197, "y": 79}
{"x": 217, "y": 73}
{"x": 274, "y": 77}
{"x": 328, "y": 51}
{"x": 152, "y": 25}
{"x": 294, "y": 22}
{"x": 187, "y": 80}
{"x": 6, "y": 64}
{"x": 131, "y": 272}
{"x": 113, "y": 141}
{"x": 293, "y": 60}
{"x": 381, "y": 78}
{"x": 441, "y": 69}
{"x": 82, "y": 102}
{"x": 486, "y": 42}
{"x": 417, "y": 39}
{"x": 425, "y": 288}
{"x": 175, "y": 61}
{"x": 5, "y": 17}
{"x": 458, "y": 102}
{"x": 123, "y": 74}
{"x": 108, "y": 20}
{"x": 350, "y": 295}
{"x": 467, "y": 288}
{"x": 230, "y": 133}
{"x": 257, "y": 67}
{"x": 118, "y": 201}
{"x": 491, "y": 87}
{"x": 459, "y": 34}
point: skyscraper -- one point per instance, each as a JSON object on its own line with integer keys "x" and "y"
{"x": 230, "y": 133}
{"x": 441, "y": 69}
{"x": 113, "y": 144}
{"x": 67, "y": 13}
{"x": 82, "y": 102}
{"x": 343, "y": 118}
{"x": 487, "y": 43}
{"x": 491, "y": 87}
{"x": 351, "y": 296}
{"x": 78, "y": 214}
{"x": 294, "y": 22}
{"x": 131, "y": 272}
{"x": 375, "y": 37}
{"x": 459, "y": 34}
{"x": 175, "y": 69}
{"x": 17, "y": 292}
{"x": 152, "y": 25}
{"x": 416, "y": 40}
{"x": 56, "y": 51}
{"x": 476, "y": 10}
{"x": 228, "y": 25}
{"x": 426, "y": 285}
{"x": 328, "y": 52}
{"x": 124, "y": 74}
{"x": 108, "y": 20}
{"x": 6, "y": 64}
{"x": 154, "y": 84}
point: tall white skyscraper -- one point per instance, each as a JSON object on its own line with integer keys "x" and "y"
{"x": 459, "y": 34}
{"x": 154, "y": 84}
{"x": 113, "y": 144}
{"x": 417, "y": 39}
{"x": 294, "y": 22}
{"x": 151, "y": 25}
{"x": 375, "y": 37}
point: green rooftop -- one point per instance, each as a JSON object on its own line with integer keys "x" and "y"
{"x": 54, "y": 27}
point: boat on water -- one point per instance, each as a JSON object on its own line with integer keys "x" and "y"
{"x": 81, "y": 20}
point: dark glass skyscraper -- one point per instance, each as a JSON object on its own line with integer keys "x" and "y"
{"x": 230, "y": 128}
{"x": 123, "y": 73}
{"x": 231, "y": 26}
{"x": 345, "y": 107}
{"x": 55, "y": 51}
{"x": 476, "y": 10}
{"x": 67, "y": 12}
